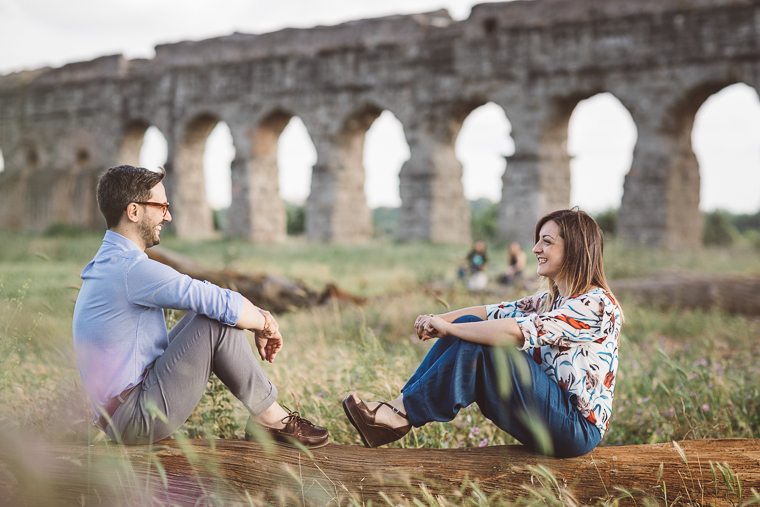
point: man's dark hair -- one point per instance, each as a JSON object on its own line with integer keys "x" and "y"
{"x": 122, "y": 185}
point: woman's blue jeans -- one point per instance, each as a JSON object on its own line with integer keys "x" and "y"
{"x": 456, "y": 373}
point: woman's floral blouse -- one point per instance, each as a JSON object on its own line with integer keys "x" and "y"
{"x": 576, "y": 344}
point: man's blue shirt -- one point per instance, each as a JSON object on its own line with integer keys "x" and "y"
{"x": 119, "y": 326}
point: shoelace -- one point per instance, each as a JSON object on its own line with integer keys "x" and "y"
{"x": 294, "y": 416}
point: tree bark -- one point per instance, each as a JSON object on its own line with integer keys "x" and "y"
{"x": 270, "y": 292}
{"x": 234, "y": 471}
{"x": 731, "y": 293}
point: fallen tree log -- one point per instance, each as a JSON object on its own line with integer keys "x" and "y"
{"x": 271, "y": 292}
{"x": 731, "y": 293}
{"x": 700, "y": 471}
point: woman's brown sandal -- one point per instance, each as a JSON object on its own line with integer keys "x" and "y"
{"x": 374, "y": 434}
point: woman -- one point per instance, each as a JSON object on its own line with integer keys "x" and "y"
{"x": 516, "y": 261}
{"x": 560, "y": 398}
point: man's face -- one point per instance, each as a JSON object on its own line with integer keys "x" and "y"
{"x": 153, "y": 219}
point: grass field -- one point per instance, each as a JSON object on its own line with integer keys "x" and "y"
{"x": 683, "y": 374}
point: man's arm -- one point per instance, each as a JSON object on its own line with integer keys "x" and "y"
{"x": 266, "y": 330}
{"x": 251, "y": 317}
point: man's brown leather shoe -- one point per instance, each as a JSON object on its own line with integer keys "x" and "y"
{"x": 297, "y": 429}
{"x": 374, "y": 434}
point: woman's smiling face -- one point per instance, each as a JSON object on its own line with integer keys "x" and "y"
{"x": 550, "y": 250}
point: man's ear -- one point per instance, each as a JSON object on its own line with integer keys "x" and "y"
{"x": 132, "y": 213}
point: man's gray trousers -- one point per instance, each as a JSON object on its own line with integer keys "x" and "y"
{"x": 177, "y": 380}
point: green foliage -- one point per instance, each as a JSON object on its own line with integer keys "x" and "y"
{"x": 214, "y": 416}
{"x": 66, "y": 230}
{"x": 386, "y": 222}
{"x": 746, "y": 222}
{"x": 484, "y": 219}
{"x": 296, "y": 216}
{"x": 11, "y": 334}
{"x": 719, "y": 230}
{"x": 687, "y": 374}
{"x": 219, "y": 217}
{"x": 607, "y": 220}
{"x": 683, "y": 374}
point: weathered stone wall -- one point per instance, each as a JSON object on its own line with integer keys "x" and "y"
{"x": 59, "y": 128}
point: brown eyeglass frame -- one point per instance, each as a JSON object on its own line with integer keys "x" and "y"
{"x": 164, "y": 205}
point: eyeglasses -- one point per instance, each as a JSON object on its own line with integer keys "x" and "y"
{"x": 163, "y": 205}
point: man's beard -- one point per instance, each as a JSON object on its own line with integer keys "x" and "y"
{"x": 149, "y": 234}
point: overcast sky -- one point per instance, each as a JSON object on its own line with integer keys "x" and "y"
{"x": 36, "y": 33}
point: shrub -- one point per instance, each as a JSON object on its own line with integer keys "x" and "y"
{"x": 718, "y": 229}
{"x": 607, "y": 220}
{"x": 484, "y": 219}
{"x": 296, "y": 219}
{"x": 386, "y": 222}
{"x": 746, "y": 223}
{"x": 220, "y": 219}
{"x": 67, "y": 230}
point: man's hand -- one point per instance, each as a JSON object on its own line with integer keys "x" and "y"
{"x": 271, "y": 327}
{"x": 268, "y": 346}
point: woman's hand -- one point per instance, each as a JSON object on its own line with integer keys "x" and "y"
{"x": 431, "y": 326}
{"x": 419, "y": 324}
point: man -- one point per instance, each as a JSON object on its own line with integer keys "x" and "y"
{"x": 144, "y": 382}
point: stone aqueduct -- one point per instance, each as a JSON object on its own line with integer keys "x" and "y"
{"x": 60, "y": 128}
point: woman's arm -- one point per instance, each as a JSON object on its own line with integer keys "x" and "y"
{"x": 478, "y": 311}
{"x": 487, "y": 332}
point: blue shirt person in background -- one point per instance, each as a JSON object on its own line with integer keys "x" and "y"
{"x": 143, "y": 381}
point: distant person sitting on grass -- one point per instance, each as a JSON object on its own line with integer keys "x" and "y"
{"x": 143, "y": 382}
{"x": 516, "y": 261}
{"x": 561, "y": 385}
{"x": 475, "y": 267}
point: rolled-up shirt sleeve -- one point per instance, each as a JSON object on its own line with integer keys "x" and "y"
{"x": 152, "y": 284}
{"x": 575, "y": 322}
{"x": 513, "y": 309}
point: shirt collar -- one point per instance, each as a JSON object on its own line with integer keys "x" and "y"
{"x": 119, "y": 241}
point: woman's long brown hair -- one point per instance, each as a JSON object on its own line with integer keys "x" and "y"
{"x": 583, "y": 265}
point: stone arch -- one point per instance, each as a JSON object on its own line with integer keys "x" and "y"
{"x": 661, "y": 197}
{"x": 131, "y": 142}
{"x": 336, "y": 209}
{"x": 385, "y": 151}
{"x": 136, "y": 147}
{"x": 296, "y": 156}
{"x": 600, "y": 142}
{"x": 134, "y": 143}
{"x": 217, "y": 168}
{"x": 537, "y": 179}
{"x": 17, "y": 201}
{"x": 257, "y": 211}
{"x": 482, "y": 144}
{"x": 727, "y": 146}
{"x": 186, "y": 186}
{"x": 433, "y": 204}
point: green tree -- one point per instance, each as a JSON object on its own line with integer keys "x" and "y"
{"x": 718, "y": 229}
{"x": 484, "y": 219}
